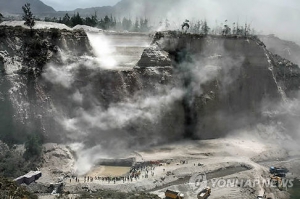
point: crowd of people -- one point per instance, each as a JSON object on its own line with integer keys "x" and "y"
{"x": 139, "y": 170}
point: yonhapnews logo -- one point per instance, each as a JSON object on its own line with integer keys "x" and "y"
{"x": 198, "y": 182}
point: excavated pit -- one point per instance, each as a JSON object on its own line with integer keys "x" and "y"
{"x": 128, "y": 47}
{"x": 118, "y": 51}
{"x": 112, "y": 167}
{"x": 183, "y": 86}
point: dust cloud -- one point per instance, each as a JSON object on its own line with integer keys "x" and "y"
{"x": 117, "y": 129}
{"x": 265, "y": 16}
{"x": 103, "y": 50}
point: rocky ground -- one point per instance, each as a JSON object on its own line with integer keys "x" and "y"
{"x": 237, "y": 157}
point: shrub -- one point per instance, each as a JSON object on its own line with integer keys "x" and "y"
{"x": 28, "y": 16}
{"x": 33, "y": 147}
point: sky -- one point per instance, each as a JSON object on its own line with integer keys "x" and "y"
{"x": 60, "y": 5}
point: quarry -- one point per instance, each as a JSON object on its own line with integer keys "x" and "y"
{"x": 142, "y": 113}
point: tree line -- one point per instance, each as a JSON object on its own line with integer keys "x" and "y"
{"x": 140, "y": 24}
{"x": 201, "y": 27}
{"x": 106, "y": 23}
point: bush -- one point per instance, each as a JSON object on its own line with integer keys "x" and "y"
{"x": 55, "y": 33}
{"x": 9, "y": 189}
{"x": 28, "y": 16}
{"x": 13, "y": 164}
{"x": 33, "y": 147}
{"x": 1, "y": 17}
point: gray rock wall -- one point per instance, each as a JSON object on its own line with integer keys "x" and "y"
{"x": 191, "y": 86}
{"x": 24, "y": 105}
{"x": 248, "y": 77}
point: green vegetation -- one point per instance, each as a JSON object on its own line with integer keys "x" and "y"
{"x": 205, "y": 28}
{"x": 202, "y": 27}
{"x": 143, "y": 25}
{"x": 1, "y": 17}
{"x": 10, "y": 190}
{"x": 13, "y": 163}
{"x": 28, "y": 16}
{"x": 106, "y": 23}
{"x": 9, "y": 134}
{"x": 33, "y": 147}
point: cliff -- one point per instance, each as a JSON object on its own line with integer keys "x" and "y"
{"x": 248, "y": 77}
{"x": 286, "y": 49}
{"x": 23, "y": 54}
{"x": 184, "y": 85}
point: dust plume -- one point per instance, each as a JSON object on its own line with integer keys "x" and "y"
{"x": 265, "y": 16}
{"x": 103, "y": 51}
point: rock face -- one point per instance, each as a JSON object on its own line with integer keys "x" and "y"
{"x": 26, "y": 51}
{"x": 23, "y": 54}
{"x": 3, "y": 148}
{"x": 185, "y": 85}
{"x": 286, "y": 49}
{"x": 247, "y": 76}
{"x": 154, "y": 57}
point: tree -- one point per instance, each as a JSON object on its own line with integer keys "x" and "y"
{"x": 76, "y": 20}
{"x": 94, "y": 19}
{"x": 205, "y": 28}
{"x": 144, "y": 25}
{"x": 66, "y": 20}
{"x": 226, "y": 30}
{"x": 106, "y": 22}
{"x": 28, "y": 16}
{"x": 167, "y": 24}
{"x": 196, "y": 27}
{"x": 1, "y": 17}
{"x": 136, "y": 25}
{"x": 146, "y": 28}
{"x": 33, "y": 146}
{"x": 126, "y": 24}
